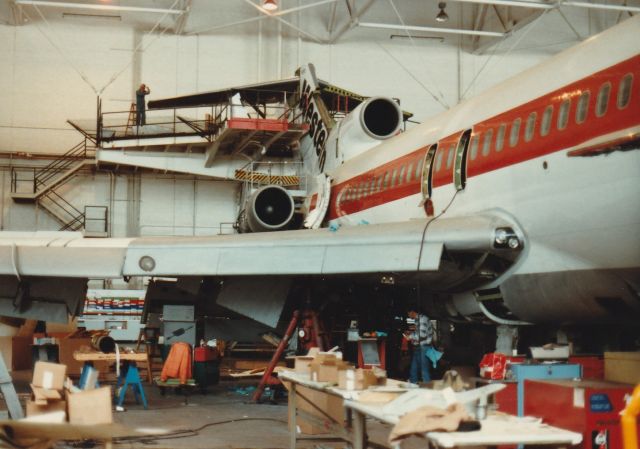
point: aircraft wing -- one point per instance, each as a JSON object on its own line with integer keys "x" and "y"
{"x": 381, "y": 248}
{"x": 33, "y": 266}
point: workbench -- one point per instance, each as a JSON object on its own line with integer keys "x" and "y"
{"x": 497, "y": 429}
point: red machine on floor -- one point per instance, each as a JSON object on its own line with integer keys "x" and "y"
{"x": 589, "y": 407}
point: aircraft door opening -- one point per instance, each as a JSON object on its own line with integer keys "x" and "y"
{"x": 426, "y": 185}
{"x": 460, "y": 167}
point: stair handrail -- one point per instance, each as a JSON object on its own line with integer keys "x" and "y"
{"x": 52, "y": 192}
{"x": 76, "y": 218}
{"x": 76, "y": 153}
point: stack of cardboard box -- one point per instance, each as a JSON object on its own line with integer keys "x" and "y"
{"x": 56, "y": 399}
{"x": 330, "y": 368}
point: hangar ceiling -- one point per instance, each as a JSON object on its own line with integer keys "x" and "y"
{"x": 478, "y": 24}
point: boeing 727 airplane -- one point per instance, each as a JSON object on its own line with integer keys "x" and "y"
{"x": 517, "y": 206}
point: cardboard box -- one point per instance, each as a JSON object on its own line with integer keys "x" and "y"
{"x": 330, "y": 404}
{"x": 34, "y": 409}
{"x": 66, "y": 348}
{"x": 302, "y": 364}
{"x": 16, "y": 352}
{"x": 42, "y": 396}
{"x": 327, "y": 371}
{"x": 356, "y": 379}
{"x": 49, "y": 376}
{"x": 622, "y": 367}
{"x": 90, "y": 406}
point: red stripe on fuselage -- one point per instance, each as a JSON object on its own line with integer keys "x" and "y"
{"x": 359, "y": 193}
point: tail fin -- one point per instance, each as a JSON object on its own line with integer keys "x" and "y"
{"x": 317, "y": 116}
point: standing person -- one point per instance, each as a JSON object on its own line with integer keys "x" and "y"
{"x": 421, "y": 339}
{"x": 141, "y": 118}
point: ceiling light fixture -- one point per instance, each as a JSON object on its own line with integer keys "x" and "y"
{"x": 442, "y": 15}
{"x": 270, "y": 5}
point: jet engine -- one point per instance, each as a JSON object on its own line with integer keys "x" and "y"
{"x": 269, "y": 208}
{"x": 374, "y": 120}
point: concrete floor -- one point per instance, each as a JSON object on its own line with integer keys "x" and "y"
{"x": 258, "y": 426}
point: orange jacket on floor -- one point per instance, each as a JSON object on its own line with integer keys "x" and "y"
{"x": 178, "y": 363}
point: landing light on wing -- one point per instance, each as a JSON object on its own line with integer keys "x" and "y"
{"x": 506, "y": 238}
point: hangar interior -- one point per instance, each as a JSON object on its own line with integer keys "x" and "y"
{"x": 230, "y": 134}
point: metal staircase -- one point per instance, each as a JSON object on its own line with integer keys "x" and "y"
{"x": 44, "y": 182}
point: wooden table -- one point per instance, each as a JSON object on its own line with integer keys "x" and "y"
{"x": 110, "y": 357}
{"x": 497, "y": 429}
{"x": 341, "y": 429}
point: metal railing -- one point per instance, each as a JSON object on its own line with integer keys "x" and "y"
{"x": 96, "y": 219}
{"x": 66, "y": 213}
{"x": 203, "y": 121}
{"x": 42, "y": 177}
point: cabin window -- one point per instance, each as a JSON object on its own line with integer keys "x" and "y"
{"x": 545, "y": 126}
{"x": 409, "y": 172}
{"x": 419, "y": 168}
{"x": 372, "y": 187}
{"x": 379, "y": 187}
{"x": 602, "y": 102}
{"x": 450, "y": 155}
{"x": 473, "y": 152}
{"x": 385, "y": 185}
{"x": 486, "y": 145}
{"x": 583, "y": 107}
{"x": 531, "y": 126}
{"x": 500, "y": 137}
{"x": 563, "y": 114}
{"x": 394, "y": 177}
{"x": 401, "y": 177}
{"x": 439, "y": 161}
{"x": 515, "y": 132}
{"x": 624, "y": 91}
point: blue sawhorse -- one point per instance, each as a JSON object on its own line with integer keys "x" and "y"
{"x": 86, "y": 375}
{"x": 130, "y": 376}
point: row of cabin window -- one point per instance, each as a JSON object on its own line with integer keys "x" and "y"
{"x": 601, "y": 107}
{"x": 602, "y": 103}
{"x": 390, "y": 179}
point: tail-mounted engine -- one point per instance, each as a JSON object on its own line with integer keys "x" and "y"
{"x": 269, "y": 208}
{"x": 374, "y": 120}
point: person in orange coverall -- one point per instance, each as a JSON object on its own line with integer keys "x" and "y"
{"x": 178, "y": 363}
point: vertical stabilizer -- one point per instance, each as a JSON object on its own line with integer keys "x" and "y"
{"x": 315, "y": 113}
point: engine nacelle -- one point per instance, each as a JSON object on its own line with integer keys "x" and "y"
{"x": 373, "y": 121}
{"x": 269, "y": 208}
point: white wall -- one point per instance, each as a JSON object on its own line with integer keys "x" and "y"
{"x": 140, "y": 205}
